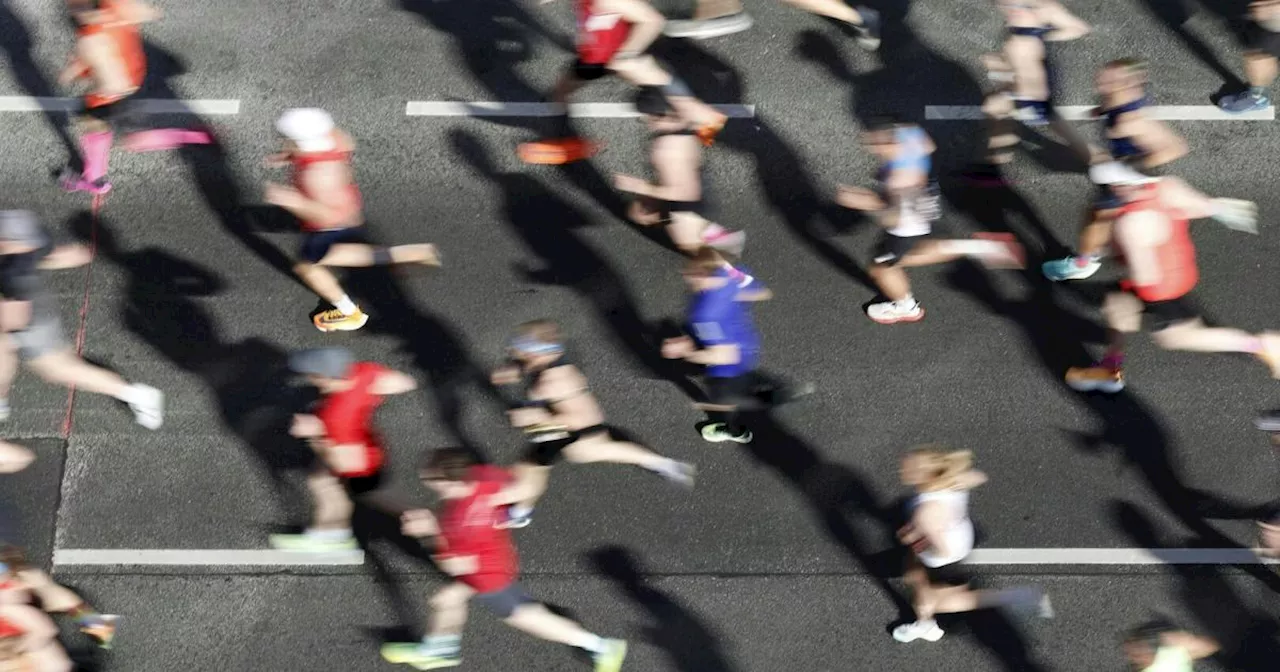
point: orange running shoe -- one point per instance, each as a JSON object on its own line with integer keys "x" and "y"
{"x": 707, "y": 132}
{"x": 334, "y": 320}
{"x": 558, "y": 151}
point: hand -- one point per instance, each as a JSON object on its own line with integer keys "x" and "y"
{"x": 279, "y": 195}
{"x": 1236, "y": 214}
{"x": 630, "y": 184}
{"x": 419, "y": 523}
{"x": 857, "y": 198}
{"x": 306, "y": 426}
{"x": 677, "y": 348}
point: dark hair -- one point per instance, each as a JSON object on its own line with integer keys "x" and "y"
{"x": 447, "y": 464}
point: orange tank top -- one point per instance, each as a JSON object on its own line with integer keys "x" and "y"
{"x": 1176, "y": 255}
{"x": 127, "y": 40}
{"x": 304, "y": 160}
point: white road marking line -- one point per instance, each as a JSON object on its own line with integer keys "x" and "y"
{"x": 150, "y": 106}
{"x": 1117, "y": 556}
{"x": 439, "y": 108}
{"x": 1081, "y": 113}
{"x": 219, "y": 557}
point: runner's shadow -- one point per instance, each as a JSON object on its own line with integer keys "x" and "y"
{"x": 1248, "y": 635}
{"x": 996, "y": 208}
{"x": 544, "y": 223}
{"x": 18, "y": 48}
{"x": 687, "y": 639}
{"x": 1174, "y": 14}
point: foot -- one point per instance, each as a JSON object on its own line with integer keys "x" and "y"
{"x": 72, "y": 182}
{"x": 893, "y": 312}
{"x": 718, "y": 432}
{"x": 723, "y": 240}
{"x": 1096, "y": 378}
{"x": 610, "y": 659}
{"x": 708, "y": 130}
{"x": 680, "y": 473}
{"x": 334, "y": 320}
{"x": 1070, "y": 268}
{"x": 148, "y": 407}
{"x": 515, "y": 519}
{"x": 101, "y": 628}
{"x": 702, "y": 29}
{"x": 1268, "y": 422}
{"x": 1270, "y": 353}
{"x": 1244, "y": 102}
{"x": 926, "y": 630}
{"x": 1005, "y": 253}
{"x": 869, "y": 32}
{"x": 430, "y": 255}
{"x": 418, "y": 656}
{"x": 557, "y": 151}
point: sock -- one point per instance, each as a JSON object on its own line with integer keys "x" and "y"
{"x": 328, "y": 535}
{"x": 906, "y": 301}
{"x": 592, "y": 644}
{"x": 442, "y": 643}
{"x": 1258, "y": 91}
{"x": 132, "y": 394}
{"x": 1113, "y": 360}
{"x": 346, "y": 306}
{"x": 520, "y": 511}
{"x": 95, "y": 149}
{"x": 969, "y": 247}
{"x": 925, "y": 623}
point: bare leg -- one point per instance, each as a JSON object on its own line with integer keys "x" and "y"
{"x": 532, "y": 473}
{"x": 449, "y": 610}
{"x": 830, "y": 8}
{"x": 353, "y": 255}
{"x": 332, "y": 506}
{"x": 320, "y": 280}
{"x": 1260, "y": 69}
{"x": 600, "y": 448}
{"x": 537, "y": 620}
{"x": 65, "y": 368}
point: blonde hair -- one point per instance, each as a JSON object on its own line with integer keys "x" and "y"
{"x": 944, "y": 465}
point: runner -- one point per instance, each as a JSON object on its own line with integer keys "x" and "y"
{"x": 940, "y": 536}
{"x": 613, "y": 36}
{"x": 29, "y": 641}
{"x": 1134, "y": 138}
{"x": 560, "y": 415}
{"x": 327, "y": 201}
{"x": 677, "y": 198}
{"x": 340, "y": 430}
{"x": 21, "y": 583}
{"x": 906, "y": 206}
{"x": 1030, "y": 24}
{"x": 472, "y": 547}
{"x": 109, "y": 55}
{"x": 1151, "y": 233}
{"x": 34, "y": 330}
{"x": 1260, "y": 60}
{"x": 713, "y": 18}
{"x": 1158, "y": 647}
{"x": 725, "y": 341}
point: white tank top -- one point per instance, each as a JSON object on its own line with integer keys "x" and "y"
{"x": 958, "y": 534}
{"x": 917, "y": 214}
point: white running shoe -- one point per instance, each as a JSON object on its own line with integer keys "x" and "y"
{"x": 148, "y": 407}
{"x": 926, "y": 630}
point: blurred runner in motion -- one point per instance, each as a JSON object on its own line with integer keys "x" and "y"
{"x": 340, "y": 430}
{"x": 676, "y": 198}
{"x": 1152, "y": 234}
{"x": 21, "y": 583}
{"x": 325, "y": 198}
{"x": 560, "y": 415}
{"x": 1260, "y": 60}
{"x": 33, "y": 328}
{"x": 613, "y": 36}
{"x": 714, "y": 18}
{"x": 1159, "y": 647}
{"x": 109, "y": 55}
{"x": 940, "y": 536}
{"x": 29, "y": 641}
{"x": 1132, "y": 137}
{"x": 905, "y": 204}
{"x": 472, "y": 546}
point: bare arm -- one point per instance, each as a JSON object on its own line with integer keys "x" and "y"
{"x": 1196, "y": 646}
{"x": 66, "y": 256}
{"x": 393, "y": 382}
{"x": 1182, "y": 197}
{"x": 1157, "y": 140}
{"x": 1066, "y": 26}
{"x": 716, "y": 354}
{"x": 646, "y": 22}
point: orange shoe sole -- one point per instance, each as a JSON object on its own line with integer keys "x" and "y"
{"x": 556, "y": 154}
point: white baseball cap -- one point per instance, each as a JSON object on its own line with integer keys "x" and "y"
{"x": 311, "y": 129}
{"x": 1113, "y": 172}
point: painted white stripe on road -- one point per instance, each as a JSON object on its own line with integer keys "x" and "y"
{"x": 1117, "y": 556}
{"x": 437, "y": 108}
{"x": 1081, "y": 113}
{"x": 219, "y": 557}
{"x": 213, "y": 107}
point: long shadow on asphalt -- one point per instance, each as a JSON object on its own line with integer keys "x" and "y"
{"x": 249, "y": 379}
{"x": 545, "y": 223}
{"x": 686, "y": 637}
{"x": 1174, "y": 15}
{"x": 780, "y": 171}
{"x": 17, "y": 45}
{"x": 1248, "y": 634}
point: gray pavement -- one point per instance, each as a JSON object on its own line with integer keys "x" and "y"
{"x": 782, "y": 557}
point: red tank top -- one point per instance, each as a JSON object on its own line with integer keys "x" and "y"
{"x": 127, "y": 40}
{"x": 599, "y": 35}
{"x": 1176, "y": 255}
{"x": 304, "y": 160}
{"x": 467, "y": 528}
{"x": 348, "y": 417}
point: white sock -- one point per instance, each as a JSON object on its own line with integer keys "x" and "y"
{"x": 345, "y": 305}
{"x": 519, "y": 511}
{"x": 133, "y": 394}
{"x": 970, "y": 247}
{"x": 329, "y": 535}
{"x": 592, "y": 643}
{"x": 927, "y": 624}
{"x": 907, "y": 301}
